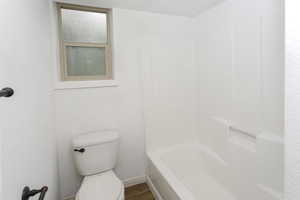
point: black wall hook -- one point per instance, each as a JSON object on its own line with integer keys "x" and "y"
{"x": 6, "y": 92}
{"x": 27, "y": 193}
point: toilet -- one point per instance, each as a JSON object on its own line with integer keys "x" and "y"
{"x": 95, "y": 157}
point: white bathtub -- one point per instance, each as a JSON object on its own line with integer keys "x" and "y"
{"x": 182, "y": 173}
{"x": 194, "y": 172}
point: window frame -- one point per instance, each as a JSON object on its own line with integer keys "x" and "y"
{"x": 63, "y": 45}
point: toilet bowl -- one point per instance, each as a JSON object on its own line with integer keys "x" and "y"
{"x": 103, "y": 186}
{"x": 95, "y": 157}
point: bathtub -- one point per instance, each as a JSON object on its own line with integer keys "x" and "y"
{"x": 194, "y": 172}
{"x": 182, "y": 172}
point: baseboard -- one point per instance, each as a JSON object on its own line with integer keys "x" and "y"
{"x": 134, "y": 181}
{"x": 153, "y": 189}
{"x": 70, "y": 198}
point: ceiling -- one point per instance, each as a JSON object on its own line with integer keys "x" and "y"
{"x": 173, "y": 7}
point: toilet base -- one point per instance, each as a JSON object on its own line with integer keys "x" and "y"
{"x": 101, "y": 186}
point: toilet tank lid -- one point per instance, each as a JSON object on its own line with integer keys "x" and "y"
{"x": 95, "y": 138}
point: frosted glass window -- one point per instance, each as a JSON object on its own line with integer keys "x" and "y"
{"x": 85, "y": 61}
{"x": 85, "y": 43}
{"x": 82, "y": 26}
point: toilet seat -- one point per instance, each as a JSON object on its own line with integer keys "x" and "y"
{"x": 103, "y": 186}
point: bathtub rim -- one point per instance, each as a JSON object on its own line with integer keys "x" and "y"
{"x": 177, "y": 187}
{"x": 185, "y": 194}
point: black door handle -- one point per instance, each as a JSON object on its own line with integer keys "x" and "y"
{"x": 6, "y": 92}
{"x": 27, "y": 193}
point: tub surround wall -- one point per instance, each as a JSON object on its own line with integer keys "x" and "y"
{"x": 241, "y": 84}
{"x": 240, "y": 63}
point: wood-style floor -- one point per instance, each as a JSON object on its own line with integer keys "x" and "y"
{"x": 138, "y": 192}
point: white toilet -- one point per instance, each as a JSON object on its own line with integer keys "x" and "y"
{"x": 95, "y": 157}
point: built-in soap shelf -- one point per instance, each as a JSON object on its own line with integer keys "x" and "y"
{"x": 244, "y": 132}
{"x": 240, "y": 136}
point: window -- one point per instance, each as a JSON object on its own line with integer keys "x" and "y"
{"x": 85, "y": 46}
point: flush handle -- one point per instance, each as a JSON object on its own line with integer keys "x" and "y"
{"x": 82, "y": 150}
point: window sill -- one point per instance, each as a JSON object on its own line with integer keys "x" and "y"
{"x": 63, "y": 85}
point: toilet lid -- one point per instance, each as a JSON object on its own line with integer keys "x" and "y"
{"x": 103, "y": 186}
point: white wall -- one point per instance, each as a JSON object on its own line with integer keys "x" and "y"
{"x": 83, "y": 110}
{"x": 27, "y": 121}
{"x": 292, "y": 113}
{"x": 136, "y": 36}
{"x": 240, "y": 60}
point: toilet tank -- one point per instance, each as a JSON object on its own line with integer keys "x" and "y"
{"x": 95, "y": 152}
